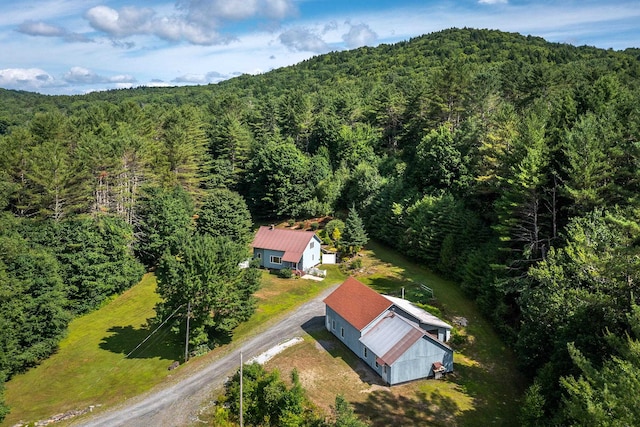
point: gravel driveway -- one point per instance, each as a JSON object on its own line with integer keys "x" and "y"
{"x": 178, "y": 404}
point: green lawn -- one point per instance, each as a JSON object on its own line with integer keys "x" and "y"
{"x": 90, "y": 367}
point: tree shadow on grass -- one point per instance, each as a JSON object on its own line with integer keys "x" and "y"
{"x": 492, "y": 404}
{"x": 384, "y": 408}
{"x": 332, "y": 345}
{"x": 130, "y": 341}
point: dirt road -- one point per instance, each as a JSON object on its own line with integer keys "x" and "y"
{"x": 178, "y": 404}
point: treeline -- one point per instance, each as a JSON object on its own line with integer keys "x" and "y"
{"x": 506, "y": 162}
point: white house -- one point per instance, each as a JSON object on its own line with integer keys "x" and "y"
{"x": 279, "y": 248}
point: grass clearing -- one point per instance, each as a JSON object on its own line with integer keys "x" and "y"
{"x": 90, "y": 367}
{"x": 277, "y": 296}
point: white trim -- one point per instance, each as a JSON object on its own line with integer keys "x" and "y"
{"x": 273, "y": 257}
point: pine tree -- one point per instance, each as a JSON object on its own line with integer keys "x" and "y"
{"x": 205, "y": 275}
{"x": 354, "y": 236}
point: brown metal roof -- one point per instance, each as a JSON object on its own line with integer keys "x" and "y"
{"x": 357, "y": 303}
{"x": 291, "y": 242}
{"x": 401, "y": 346}
{"x": 392, "y": 335}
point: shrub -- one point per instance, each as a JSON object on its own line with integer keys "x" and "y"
{"x": 291, "y": 222}
{"x": 285, "y": 273}
{"x": 315, "y": 225}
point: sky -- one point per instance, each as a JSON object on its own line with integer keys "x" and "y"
{"x": 79, "y": 46}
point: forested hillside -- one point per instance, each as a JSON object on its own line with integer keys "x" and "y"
{"x": 505, "y": 162}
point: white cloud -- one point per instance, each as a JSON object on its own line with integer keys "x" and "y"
{"x": 26, "y": 79}
{"x": 493, "y": 1}
{"x": 190, "y": 78}
{"x": 80, "y": 75}
{"x": 303, "y": 39}
{"x": 214, "y": 13}
{"x": 34, "y": 28}
{"x": 42, "y": 29}
{"x": 120, "y": 23}
{"x": 360, "y": 35}
{"x": 195, "y": 21}
{"x": 210, "y": 77}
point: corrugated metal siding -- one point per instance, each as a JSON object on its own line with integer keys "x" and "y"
{"x": 350, "y": 337}
{"x": 418, "y": 360}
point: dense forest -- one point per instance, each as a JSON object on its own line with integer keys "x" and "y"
{"x": 507, "y": 163}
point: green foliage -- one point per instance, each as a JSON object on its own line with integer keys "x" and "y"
{"x": 440, "y": 162}
{"x": 225, "y": 213}
{"x": 477, "y": 152}
{"x": 332, "y": 226}
{"x": 532, "y": 411}
{"x": 96, "y": 261}
{"x": 267, "y": 400}
{"x": 166, "y": 222}
{"x": 4, "y": 409}
{"x": 285, "y": 273}
{"x": 205, "y": 274}
{"x": 343, "y": 414}
{"x": 606, "y": 395}
{"x": 278, "y": 178}
{"x": 33, "y": 315}
{"x": 354, "y": 236}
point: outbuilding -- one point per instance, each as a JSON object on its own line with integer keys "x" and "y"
{"x": 398, "y": 340}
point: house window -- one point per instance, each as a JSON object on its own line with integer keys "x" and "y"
{"x": 333, "y": 325}
{"x": 311, "y": 245}
{"x": 365, "y": 353}
{"x": 384, "y": 369}
{"x": 276, "y": 260}
{"x": 342, "y": 332}
{"x": 377, "y": 366}
{"x": 259, "y": 255}
{"x": 313, "y": 257}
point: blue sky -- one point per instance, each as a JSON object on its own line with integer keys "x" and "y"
{"x": 79, "y": 46}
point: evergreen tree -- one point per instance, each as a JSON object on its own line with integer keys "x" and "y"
{"x": 608, "y": 395}
{"x": 205, "y": 274}
{"x": 224, "y": 213}
{"x": 166, "y": 222}
{"x": 344, "y": 415}
{"x": 354, "y": 236}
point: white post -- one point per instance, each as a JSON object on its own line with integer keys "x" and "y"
{"x": 402, "y": 293}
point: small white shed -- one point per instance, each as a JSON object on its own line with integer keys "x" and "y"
{"x": 328, "y": 257}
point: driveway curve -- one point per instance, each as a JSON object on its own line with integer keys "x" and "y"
{"x": 178, "y": 404}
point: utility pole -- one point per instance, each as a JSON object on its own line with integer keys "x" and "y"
{"x": 241, "y": 411}
{"x": 186, "y": 344}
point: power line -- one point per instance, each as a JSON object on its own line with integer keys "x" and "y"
{"x": 154, "y": 331}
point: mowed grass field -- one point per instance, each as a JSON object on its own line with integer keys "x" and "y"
{"x": 91, "y": 367}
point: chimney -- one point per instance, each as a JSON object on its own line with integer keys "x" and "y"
{"x": 271, "y": 227}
